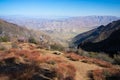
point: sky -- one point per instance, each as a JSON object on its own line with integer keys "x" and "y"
{"x": 60, "y": 7}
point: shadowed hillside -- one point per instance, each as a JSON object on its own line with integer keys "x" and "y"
{"x": 102, "y": 39}
{"x": 109, "y": 45}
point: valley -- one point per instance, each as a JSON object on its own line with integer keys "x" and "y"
{"x": 61, "y": 30}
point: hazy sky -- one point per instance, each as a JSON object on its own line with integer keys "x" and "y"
{"x": 60, "y": 7}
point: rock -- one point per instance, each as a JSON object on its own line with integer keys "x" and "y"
{"x": 57, "y": 53}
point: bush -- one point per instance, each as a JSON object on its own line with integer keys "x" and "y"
{"x": 105, "y": 74}
{"x": 32, "y": 40}
{"x": 117, "y": 59}
{"x": 57, "y": 47}
{"x": 73, "y": 57}
{"x": 65, "y": 71}
{"x": 4, "y": 39}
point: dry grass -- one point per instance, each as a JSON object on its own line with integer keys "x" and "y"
{"x": 97, "y": 62}
{"x": 73, "y": 56}
{"x": 30, "y": 63}
{"x": 66, "y": 71}
{"x": 106, "y": 74}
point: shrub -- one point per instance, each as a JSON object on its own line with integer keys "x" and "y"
{"x": 101, "y": 56}
{"x": 105, "y": 74}
{"x": 117, "y": 59}
{"x": 57, "y": 47}
{"x": 73, "y": 57}
{"x": 66, "y": 71}
{"x": 32, "y": 40}
{"x": 104, "y": 57}
{"x": 4, "y": 39}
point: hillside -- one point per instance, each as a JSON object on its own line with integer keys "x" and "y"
{"x": 102, "y": 39}
{"x": 109, "y": 45}
{"x": 15, "y": 32}
{"x": 12, "y": 30}
{"x": 28, "y": 62}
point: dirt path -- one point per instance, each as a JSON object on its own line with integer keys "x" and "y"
{"x": 83, "y": 69}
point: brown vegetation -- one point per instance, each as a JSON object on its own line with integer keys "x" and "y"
{"x": 106, "y": 74}
{"x": 24, "y": 61}
{"x": 26, "y": 64}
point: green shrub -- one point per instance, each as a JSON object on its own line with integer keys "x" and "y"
{"x": 57, "y": 47}
{"x": 32, "y": 40}
{"x": 4, "y": 39}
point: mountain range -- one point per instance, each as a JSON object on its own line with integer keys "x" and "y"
{"x": 61, "y": 29}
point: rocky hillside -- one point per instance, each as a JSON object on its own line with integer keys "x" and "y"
{"x": 104, "y": 38}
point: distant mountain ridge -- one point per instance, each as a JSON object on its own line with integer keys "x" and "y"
{"x": 70, "y": 22}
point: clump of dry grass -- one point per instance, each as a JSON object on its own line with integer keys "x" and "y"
{"x": 66, "y": 71}
{"x": 73, "y": 56}
{"x": 106, "y": 74}
{"x": 97, "y": 62}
